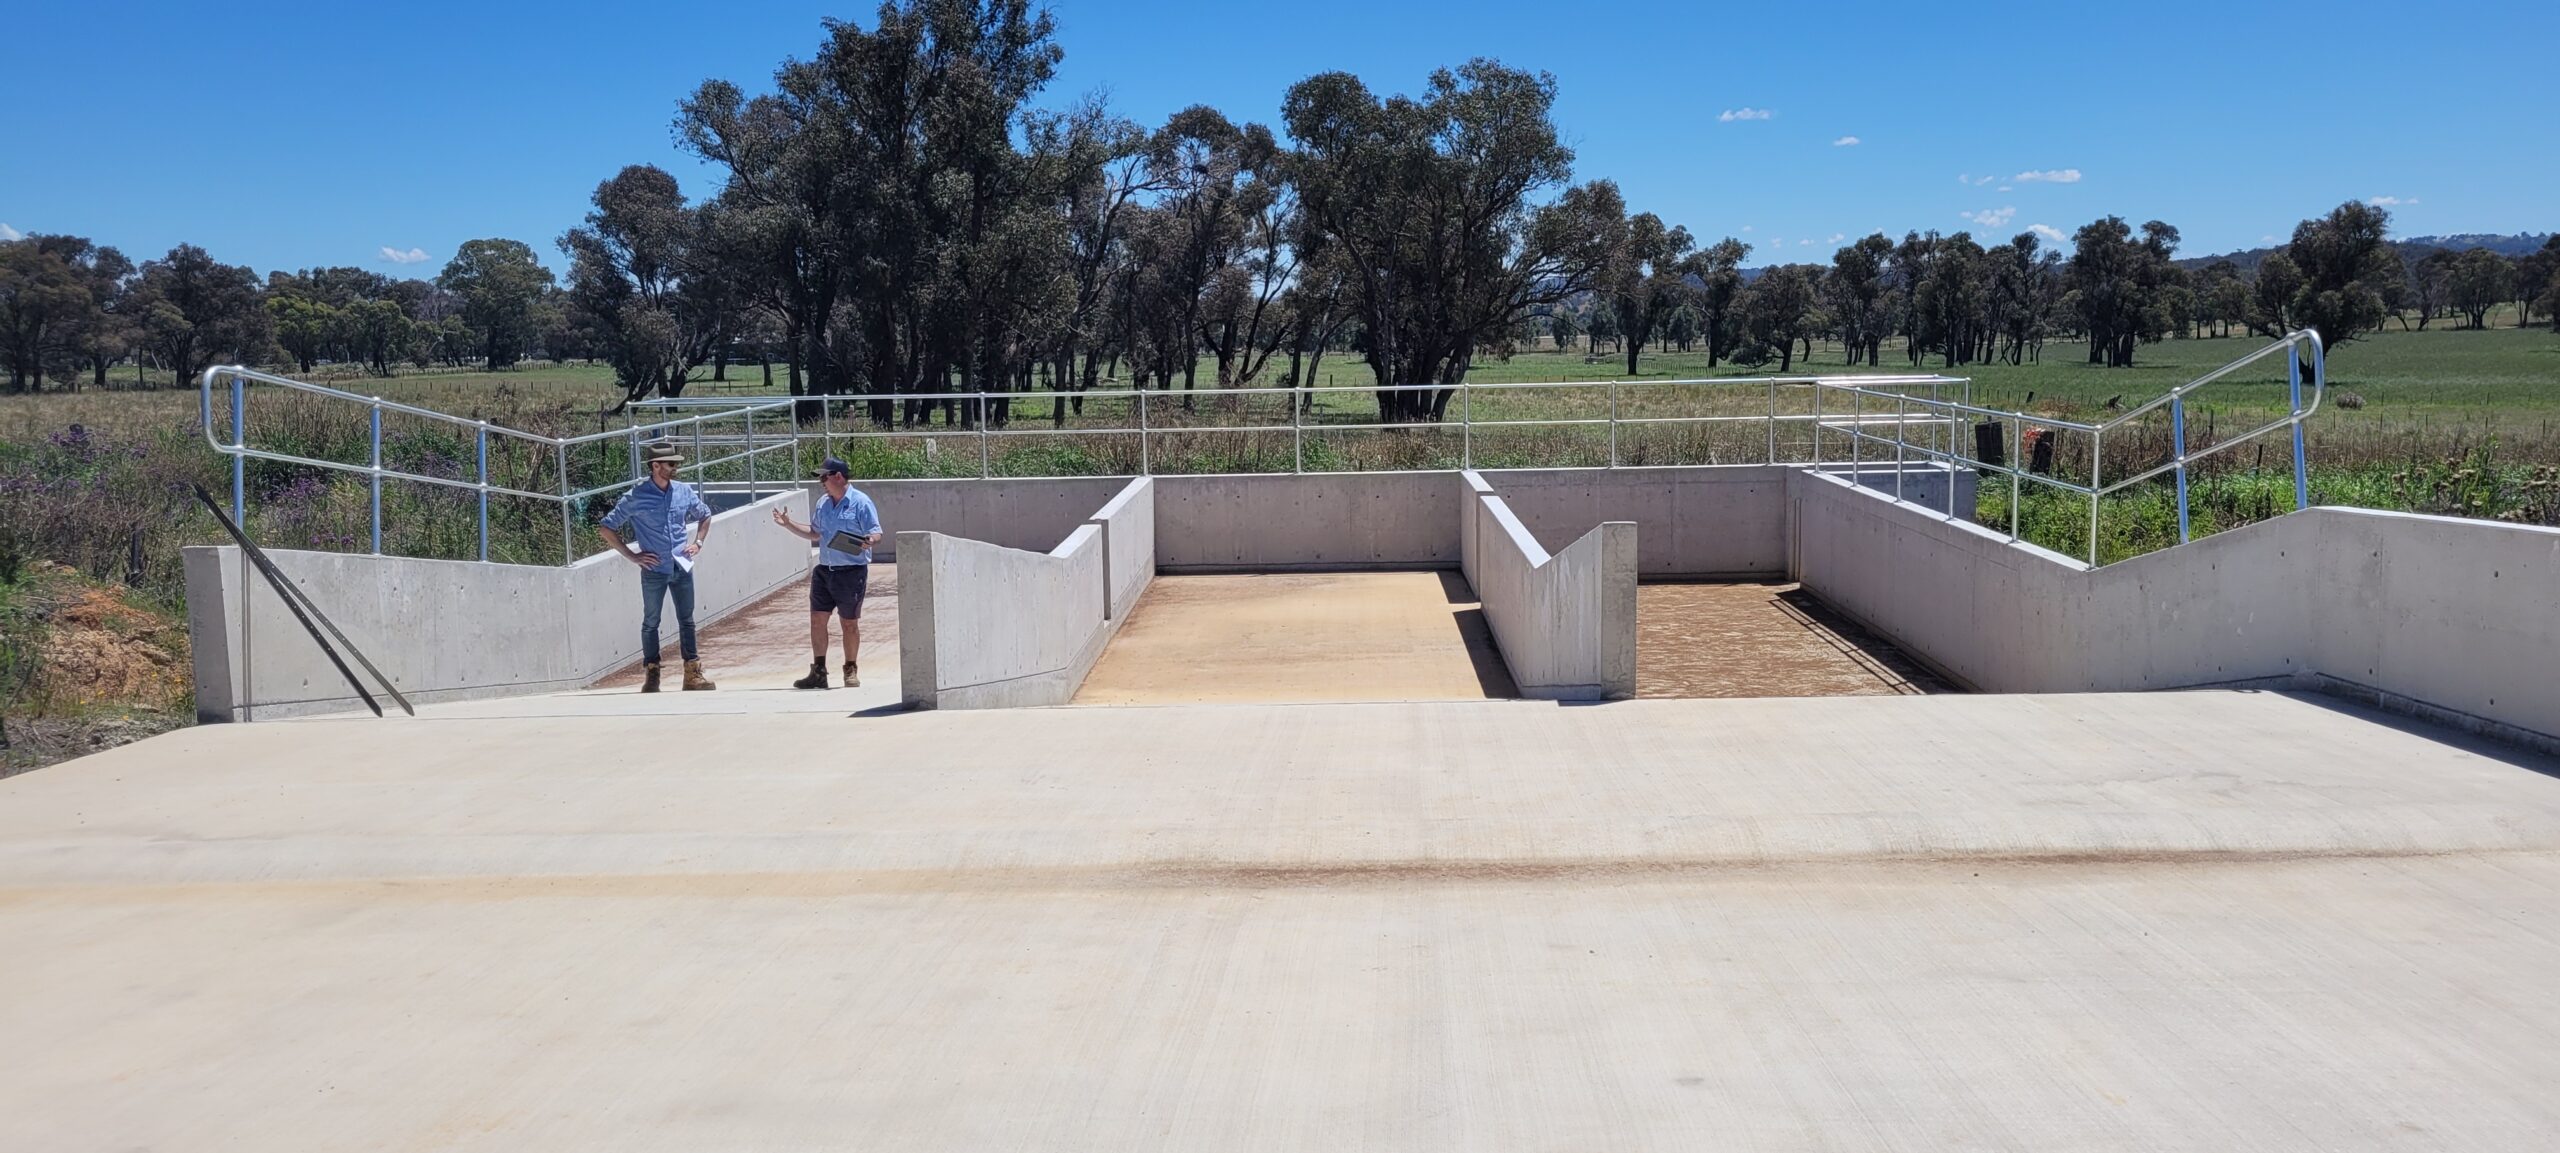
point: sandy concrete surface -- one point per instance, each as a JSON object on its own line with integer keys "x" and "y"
{"x": 1348, "y": 636}
{"x": 1760, "y": 639}
{"x": 2203, "y": 920}
{"x": 766, "y": 644}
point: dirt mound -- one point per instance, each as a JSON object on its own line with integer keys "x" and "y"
{"x": 103, "y": 649}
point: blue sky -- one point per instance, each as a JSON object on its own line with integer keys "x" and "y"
{"x": 293, "y": 135}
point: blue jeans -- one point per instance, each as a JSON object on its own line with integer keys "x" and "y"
{"x": 666, "y": 578}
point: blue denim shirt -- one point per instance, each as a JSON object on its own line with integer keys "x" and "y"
{"x": 656, "y": 519}
{"x": 854, "y": 514}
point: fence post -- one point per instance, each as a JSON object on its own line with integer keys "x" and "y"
{"x": 750, "y": 415}
{"x": 1817, "y": 424}
{"x": 484, "y": 491}
{"x": 1466, "y": 425}
{"x": 1144, "y": 469}
{"x": 826, "y": 432}
{"x": 983, "y": 472}
{"x": 1773, "y": 420}
{"x": 377, "y": 476}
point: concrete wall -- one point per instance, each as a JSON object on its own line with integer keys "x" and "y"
{"x": 452, "y": 630}
{"x": 1278, "y": 523}
{"x": 1566, "y": 623}
{"x": 983, "y": 625}
{"x": 2457, "y": 620}
{"x": 1020, "y": 514}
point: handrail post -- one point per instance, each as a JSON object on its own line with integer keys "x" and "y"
{"x": 1773, "y": 420}
{"x": 2017, "y": 462}
{"x": 1466, "y": 425}
{"x": 826, "y": 432}
{"x": 1900, "y": 407}
{"x": 240, "y": 459}
{"x": 1613, "y": 424}
{"x": 377, "y": 476}
{"x": 2301, "y": 471}
{"x": 568, "y": 550}
{"x": 2178, "y": 433}
{"x": 2095, "y": 456}
{"x": 1144, "y": 469}
{"x": 484, "y": 490}
{"x": 983, "y": 472}
{"x": 1298, "y": 434}
{"x": 1817, "y": 425}
{"x": 1857, "y": 434}
{"x": 750, "y": 416}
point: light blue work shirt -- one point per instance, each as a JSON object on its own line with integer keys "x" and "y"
{"x": 854, "y": 514}
{"x": 658, "y": 519}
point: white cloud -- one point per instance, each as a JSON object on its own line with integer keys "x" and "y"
{"x": 1979, "y": 183}
{"x": 2002, "y": 188}
{"x": 2052, "y": 235}
{"x": 1846, "y": 142}
{"x": 1807, "y": 243}
{"x": 1730, "y": 115}
{"x": 1837, "y": 237}
{"x": 2266, "y": 240}
{"x": 2050, "y": 176}
{"x": 1991, "y": 217}
{"x": 1747, "y": 227}
{"x": 2389, "y": 201}
{"x": 8, "y": 233}
{"x": 396, "y": 256}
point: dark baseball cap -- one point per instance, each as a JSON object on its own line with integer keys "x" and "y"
{"x": 834, "y": 466}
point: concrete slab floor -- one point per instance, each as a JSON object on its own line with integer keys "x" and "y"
{"x": 766, "y": 644}
{"x": 1350, "y": 636}
{"x": 2198, "y": 920}
{"x": 1760, "y": 639}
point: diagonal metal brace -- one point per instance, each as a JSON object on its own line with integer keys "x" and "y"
{"x": 306, "y": 611}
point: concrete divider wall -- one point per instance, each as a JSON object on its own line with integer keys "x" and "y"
{"x": 1128, "y": 521}
{"x": 2457, "y": 620}
{"x": 1566, "y": 622}
{"x": 983, "y": 625}
{"x": 452, "y": 630}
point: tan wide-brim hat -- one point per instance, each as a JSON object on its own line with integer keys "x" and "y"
{"x": 662, "y": 450}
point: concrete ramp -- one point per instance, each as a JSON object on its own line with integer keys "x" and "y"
{"x": 1301, "y": 637}
{"x": 1761, "y": 639}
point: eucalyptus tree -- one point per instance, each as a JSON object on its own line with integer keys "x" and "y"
{"x": 1438, "y": 206}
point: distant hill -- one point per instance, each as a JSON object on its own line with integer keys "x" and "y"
{"x": 2411, "y": 248}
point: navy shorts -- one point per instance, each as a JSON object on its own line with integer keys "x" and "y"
{"x": 838, "y": 589}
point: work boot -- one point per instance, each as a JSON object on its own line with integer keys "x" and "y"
{"x": 817, "y": 678}
{"x": 694, "y": 682}
{"x": 648, "y": 678}
{"x": 852, "y": 675}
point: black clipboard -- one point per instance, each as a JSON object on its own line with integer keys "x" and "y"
{"x": 846, "y": 543}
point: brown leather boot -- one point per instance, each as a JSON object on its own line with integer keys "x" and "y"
{"x": 648, "y": 678}
{"x": 852, "y": 675}
{"x": 694, "y": 681}
{"x": 817, "y": 678}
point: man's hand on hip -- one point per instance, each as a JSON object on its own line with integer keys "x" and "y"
{"x": 643, "y": 559}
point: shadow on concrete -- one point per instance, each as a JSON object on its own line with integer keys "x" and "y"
{"x": 1493, "y": 676}
{"x": 2476, "y": 744}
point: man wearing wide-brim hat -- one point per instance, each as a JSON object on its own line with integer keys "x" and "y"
{"x": 844, "y": 524}
{"x": 657, "y": 512}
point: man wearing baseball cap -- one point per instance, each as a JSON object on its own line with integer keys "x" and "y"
{"x": 844, "y": 525}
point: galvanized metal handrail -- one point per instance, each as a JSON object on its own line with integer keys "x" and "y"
{"x": 2097, "y": 490}
{"x": 567, "y": 498}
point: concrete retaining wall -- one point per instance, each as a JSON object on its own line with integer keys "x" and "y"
{"x": 2457, "y": 620}
{"x": 453, "y": 630}
{"x": 983, "y": 625}
{"x": 1566, "y": 623}
{"x": 1280, "y": 523}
